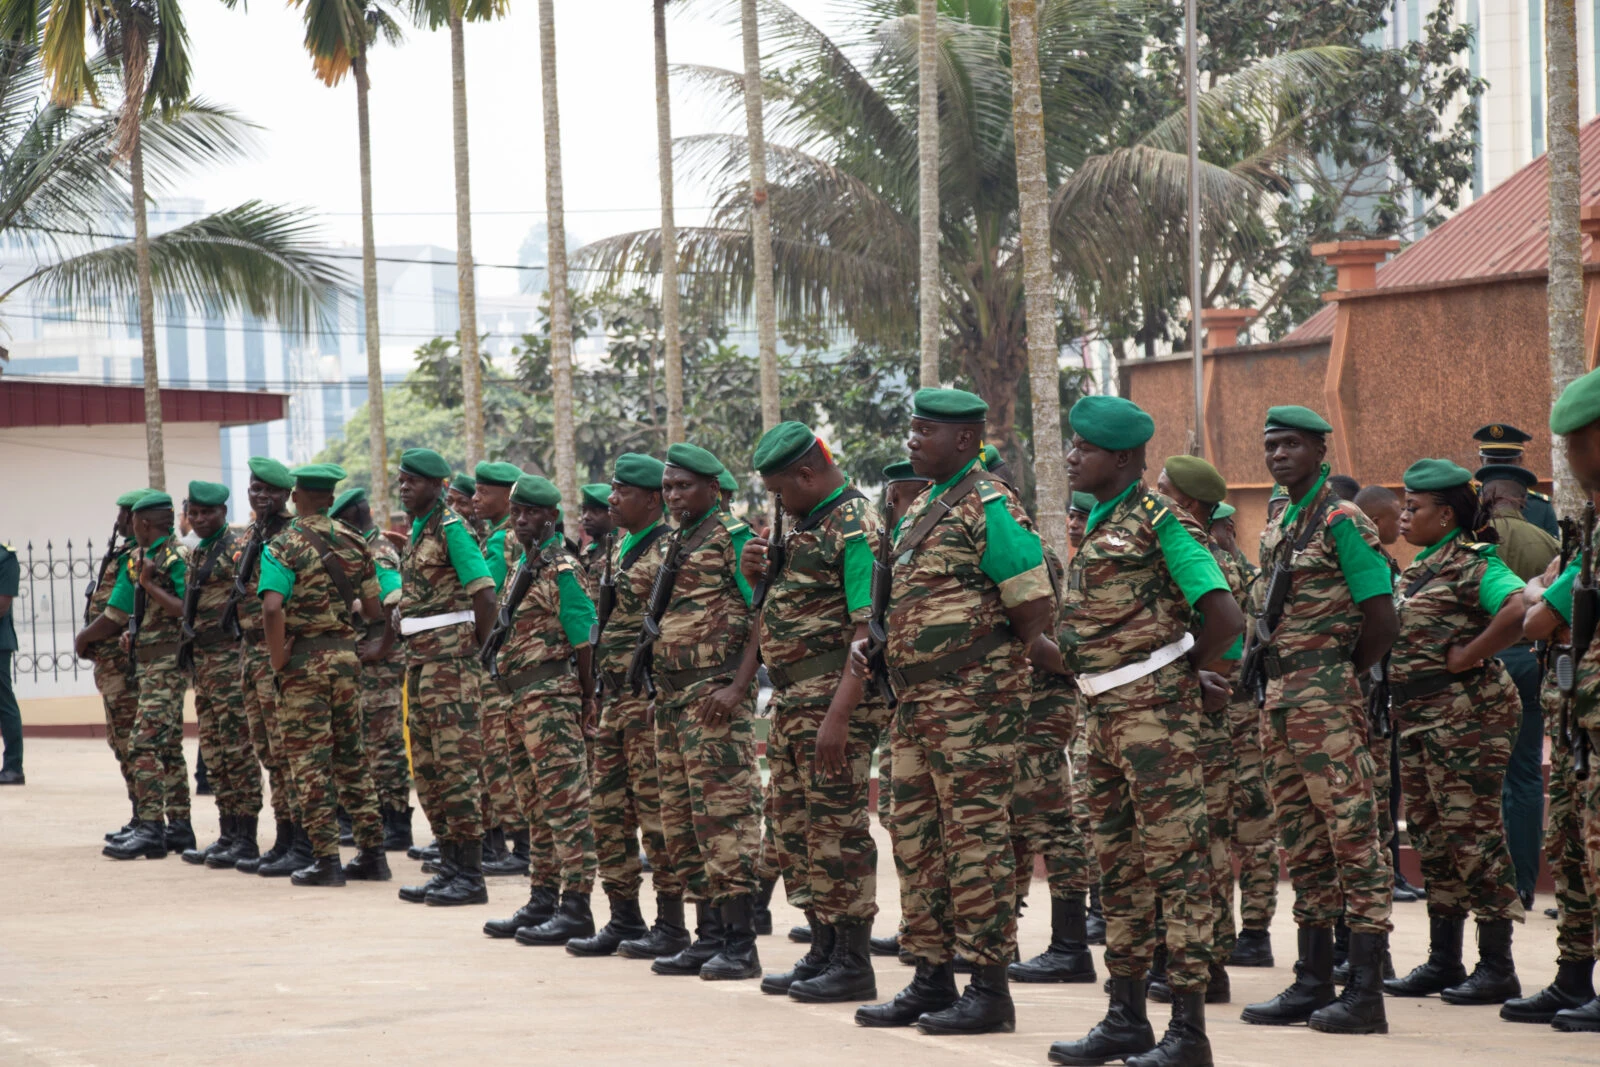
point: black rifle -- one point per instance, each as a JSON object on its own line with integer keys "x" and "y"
{"x": 776, "y": 556}
{"x": 607, "y": 601}
{"x": 241, "y": 579}
{"x": 191, "y": 601}
{"x": 112, "y": 551}
{"x": 131, "y": 671}
{"x": 1585, "y": 612}
{"x": 878, "y": 625}
{"x": 489, "y": 654}
{"x": 1258, "y": 637}
{"x": 641, "y": 669}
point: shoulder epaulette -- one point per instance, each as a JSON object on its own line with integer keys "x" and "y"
{"x": 988, "y": 492}
{"x": 731, "y": 523}
{"x": 1337, "y": 513}
{"x": 851, "y": 524}
{"x": 1154, "y": 510}
{"x": 1538, "y": 495}
{"x": 1482, "y": 548}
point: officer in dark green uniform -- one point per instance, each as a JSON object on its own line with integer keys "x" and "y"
{"x": 10, "y": 714}
{"x": 1501, "y": 442}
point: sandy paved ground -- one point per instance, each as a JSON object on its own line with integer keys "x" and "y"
{"x": 160, "y": 962}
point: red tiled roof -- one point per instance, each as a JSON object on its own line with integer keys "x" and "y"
{"x": 36, "y": 403}
{"x": 1502, "y": 232}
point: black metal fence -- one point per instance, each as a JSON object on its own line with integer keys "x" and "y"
{"x": 49, "y": 608}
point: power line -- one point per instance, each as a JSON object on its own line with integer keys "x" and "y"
{"x": 160, "y": 212}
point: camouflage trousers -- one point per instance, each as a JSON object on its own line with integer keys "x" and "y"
{"x": 1147, "y": 801}
{"x": 259, "y": 688}
{"x": 954, "y": 769}
{"x": 1322, "y": 788}
{"x": 1577, "y": 922}
{"x": 1450, "y": 777}
{"x": 383, "y": 734}
{"x": 498, "y": 800}
{"x": 820, "y": 823}
{"x": 769, "y": 861}
{"x": 625, "y": 800}
{"x": 543, "y": 866}
{"x": 121, "y": 700}
{"x": 1383, "y": 795}
{"x": 1078, "y": 757}
{"x": 550, "y": 714}
{"x": 710, "y": 795}
{"x": 1255, "y": 829}
{"x": 319, "y": 715}
{"x": 225, "y": 733}
{"x": 1042, "y": 801}
{"x": 155, "y": 747}
{"x": 1221, "y": 772}
{"x": 447, "y": 744}
{"x": 885, "y": 777}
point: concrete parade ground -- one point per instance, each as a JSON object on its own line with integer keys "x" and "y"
{"x": 162, "y": 962}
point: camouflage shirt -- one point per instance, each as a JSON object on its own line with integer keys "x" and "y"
{"x": 104, "y": 583}
{"x": 250, "y": 606}
{"x": 387, "y": 562}
{"x": 707, "y": 621}
{"x": 591, "y": 563}
{"x": 292, "y": 567}
{"x": 172, "y": 561}
{"x": 633, "y": 600}
{"x": 501, "y": 551}
{"x": 440, "y": 571}
{"x": 553, "y": 619}
{"x": 218, "y": 585}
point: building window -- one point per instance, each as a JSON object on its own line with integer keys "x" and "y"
{"x": 1536, "y": 74}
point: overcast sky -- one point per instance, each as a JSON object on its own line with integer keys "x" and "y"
{"x": 255, "y": 63}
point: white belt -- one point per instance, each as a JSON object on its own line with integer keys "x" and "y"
{"x": 1095, "y": 684}
{"x": 433, "y": 622}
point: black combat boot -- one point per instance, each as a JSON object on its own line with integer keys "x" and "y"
{"x": 180, "y": 835}
{"x": 1068, "y": 958}
{"x": 800, "y": 935}
{"x": 932, "y": 988}
{"x": 127, "y": 827}
{"x": 763, "y": 906}
{"x": 1125, "y": 1031}
{"x": 1573, "y": 988}
{"x": 370, "y": 865}
{"x": 540, "y": 906}
{"x": 426, "y": 853}
{"x": 1252, "y": 949}
{"x": 738, "y": 959}
{"x": 241, "y": 845}
{"x": 224, "y": 841}
{"x": 148, "y": 839}
{"x": 668, "y": 937}
{"x": 1095, "y": 926}
{"x": 1580, "y": 1020}
{"x": 1312, "y": 988}
{"x": 1359, "y": 1009}
{"x": 520, "y": 849}
{"x": 572, "y": 919}
{"x": 298, "y": 856}
{"x": 813, "y": 963}
{"x": 985, "y": 1006}
{"x": 506, "y": 861}
{"x": 626, "y": 923}
{"x": 347, "y": 831}
{"x": 1341, "y": 952}
{"x": 1184, "y": 1044}
{"x": 467, "y": 886}
{"x": 418, "y": 894}
{"x": 322, "y": 871}
{"x": 396, "y": 830}
{"x": 886, "y": 946}
{"x": 1443, "y": 968}
{"x": 280, "y": 847}
{"x": 848, "y": 975}
{"x": 1155, "y": 982}
{"x": 693, "y": 956}
{"x": 1494, "y": 979}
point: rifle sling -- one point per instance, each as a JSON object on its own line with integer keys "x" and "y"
{"x": 940, "y": 508}
{"x": 641, "y": 546}
{"x": 331, "y": 564}
{"x": 1300, "y": 545}
{"x": 201, "y": 577}
{"x": 689, "y": 547}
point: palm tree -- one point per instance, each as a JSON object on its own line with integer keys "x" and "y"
{"x": 1566, "y": 250}
{"x": 929, "y": 280}
{"x": 672, "y": 345}
{"x": 338, "y": 34}
{"x": 566, "y": 452}
{"x": 760, "y": 217}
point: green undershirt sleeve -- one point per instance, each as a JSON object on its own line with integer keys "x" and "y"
{"x": 494, "y": 556}
{"x": 1193, "y": 569}
{"x": 1498, "y": 583}
{"x": 740, "y": 537}
{"x": 122, "y": 591}
{"x": 857, "y": 574}
{"x": 275, "y": 577}
{"x": 577, "y": 610}
{"x": 465, "y": 555}
{"x": 1559, "y": 593}
{"x": 1365, "y": 570}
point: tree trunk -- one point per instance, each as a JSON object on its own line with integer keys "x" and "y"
{"x": 760, "y": 219}
{"x": 930, "y": 283}
{"x": 1566, "y": 257}
{"x": 671, "y": 341}
{"x": 155, "y": 441}
{"x": 377, "y": 443}
{"x": 466, "y": 283}
{"x": 566, "y": 452}
{"x": 1038, "y": 280}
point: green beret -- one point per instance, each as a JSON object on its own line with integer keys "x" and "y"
{"x": 781, "y": 446}
{"x": 596, "y": 495}
{"x": 464, "y": 483}
{"x": 153, "y": 498}
{"x": 1197, "y": 478}
{"x": 902, "y": 472}
{"x": 1432, "y": 475}
{"x": 638, "y": 470}
{"x": 207, "y": 494}
{"x": 1579, "y": 405}
{"x": 1295, "y": 417}
{"x": 992, "y": 457}
{"x": 948, "y": 405}
{"x": 1111, "y": 422}
{"x": 497, "y": 473}
{"x": 535, "y": 492}
{"x": 346, "y": 499}
{"x": 1507, "y": 472}
{"x": 271, "y": 471}
{"x": 1083, "y": 502}
{"x": 319, "y": 476}
{"x": 696, "y": 459}
{"x": 727, "y": 482}
{"x": 1222, "y": 511}
{"x": 130, "y": 498}
{"x": 425, "y": 463}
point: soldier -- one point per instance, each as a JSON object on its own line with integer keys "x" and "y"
{"x": 541, "y": 658}
{"x": 1503, "y": 443}
{"x": 212, "y": 653}
{"x": 458, "y": 497}
{"x": 1146, "y": 609}
{"x": 1455, "y": 711}
{"x": 1079, "y": 507}
{"x": 1330, "y": 617}
{"x": 382, "y": 673}
{"x": 970, "y": 602}
{"x": 148, "y": 599}
{"x": 597, "y": 526}
{"x": 446, "y": 610}
{"x": 10, "y": 713}
{"x": 705, "y": 712}
{"x": 727, "y": 485}
{"x": 317, "y": 577}
{"x": 118, "y": 692}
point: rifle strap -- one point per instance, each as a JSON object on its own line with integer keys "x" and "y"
{"x": 641, "y": 546}
{"x": 201, "y": 577}
{"x": 819, "y": 516}
{"x": 1421, "y": 580}
{"x": 939, "y": 509}
{"x": 330, "y": 563}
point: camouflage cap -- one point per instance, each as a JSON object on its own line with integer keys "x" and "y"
{"x": 535, "y": 492}
{"x": 948, "y": 405}
{"x": 1083, "y": 502}
{"x": 695, "y": 459}
{"x": 1295, "y": 417}
{"x": 781, "y": 446}
{"x": 271, "y": 471}
{"x": 1578, "y": 406}
{"x": 1432, "y": 475}
{"x": 596, "y": 495}
{"x": 1195, "y": 477}
{"x": 902, "y": 471}
{"x": 208, "y": 494}
{"x": 152, "y": 499}
{"x": 425, "y": 463}
{"x": 504, "y": 474}
{"x": 319, "y": 476}
{"x": 1113, "y": 423}
{"x": 347, "y": 499}
{"x": 639, "y": 470}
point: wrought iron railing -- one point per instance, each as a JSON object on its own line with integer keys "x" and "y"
{"x": 48, "y": 610}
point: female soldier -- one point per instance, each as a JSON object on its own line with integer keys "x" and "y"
{"x": 1456, "y": 712}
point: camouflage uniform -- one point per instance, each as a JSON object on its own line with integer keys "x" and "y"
{"x": 1130, "y": 592}
{"x": 382, "y": 731}
{"x": 259, "y": 687}
{"x": 955, "y": 730}
{"x": 819, "y": 821}
{"x": 118, "y": 692}
{"x": 155, "y": 745}
{"x": 591, "y": 560}
{"x": 1219, "y": 764}
{"x": 502, "y": 724}
{"x": 218, "y": 701}
{"x": 440, "y": 571}
{"x": 1314, "y": 726}
{"x": 1254, "y": 823}
{"x": 710, "y": 786}
{"x": 552, "y": 621}
{"x": 319, "y": 703}
{"x": 1577, "y": 923}
{"x": 625, "y": 801}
